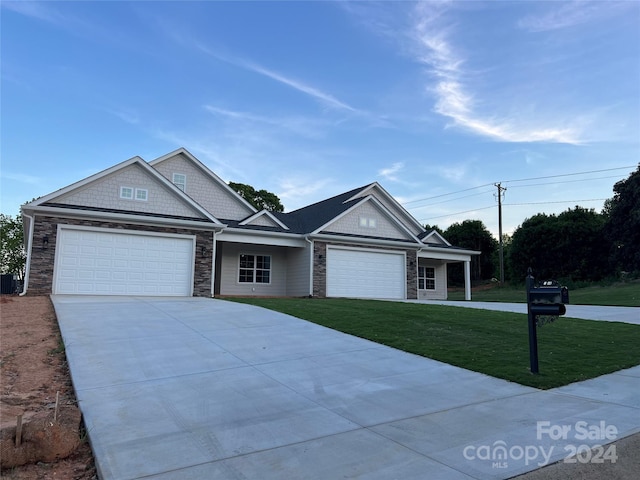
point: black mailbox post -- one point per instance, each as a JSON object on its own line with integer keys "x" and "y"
{"x": 547, "y": 299}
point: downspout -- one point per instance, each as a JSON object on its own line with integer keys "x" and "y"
{"x": 213, "y": 266}
{"x": 27, "y": 267}
{"x": 310, "y": 267}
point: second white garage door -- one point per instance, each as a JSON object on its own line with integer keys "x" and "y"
{"x": 107, "y": 262}
{"x": 365, "y": 274}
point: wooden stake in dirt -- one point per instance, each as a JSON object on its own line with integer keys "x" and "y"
{"x": 18, "y": 430}
{"x": 55, "y": 410}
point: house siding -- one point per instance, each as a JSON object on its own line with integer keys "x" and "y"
{"x": 400, "y": 214}
{"x": 263, "y": 221}
{"x": 42, "y": 260}
{"x": 350, "y": 224}
{"x": 216, "y": 199}
{"x": 229, "y": 258}
{"x": 298, "y": 272}
{"x": 440, "y": 293}
{"x": 320, "y": 267}
{"x": 105, "y": 193}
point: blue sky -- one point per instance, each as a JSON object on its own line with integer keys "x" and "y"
{"x": 311, "y": 99}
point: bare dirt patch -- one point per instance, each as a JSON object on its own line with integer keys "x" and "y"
{"x": 33, "y": 373}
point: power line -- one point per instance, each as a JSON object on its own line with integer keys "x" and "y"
{"x": 559, "y": 201}
{"x": 426, "y": 220}
{"x": 570, "y": 174}
{"x": 519, "y": 180}
{"x": 566, "y": 181}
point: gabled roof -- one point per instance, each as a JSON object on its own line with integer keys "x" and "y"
{"x": 433, "y": 235}
{"x": 264, "y": 213}
{"x": 387, "y": 196}
{"x": 356, "y": 202}
{"x": 46, "y": 201}
{"x": 205, "y": 170}
{"x": 310, "y": 218}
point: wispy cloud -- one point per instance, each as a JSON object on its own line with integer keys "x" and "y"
{"x": 432, "y": 48}
{"x": 21, "y": 178}
{"x": 298, "y": 191}
{"x": 310, "y": 128}
{"x": 39, "y": 11}
{"x": 323, "y": 97}
{"x": 389, "y": 173}
{"x": 570, "y": 14}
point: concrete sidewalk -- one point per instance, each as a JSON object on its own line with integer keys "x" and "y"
{"x": 587, "y": 312}
{"x": 191, "y": 388}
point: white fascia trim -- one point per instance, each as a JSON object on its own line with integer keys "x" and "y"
{"x": 259, "y": 237}
{"x": 391, "y": 199}
{"x": 330, "y": 239}
{"x": 83, "y": 182}
{"x": 124, "y": 218}
{"x": 250, "y": 219}
{"x": 435, "y": 233}
{"x": 145, "y": 166}
{"x": 447, "y": 254}
{"x": 380, "y": 206}
{"x": 206, "y": 170}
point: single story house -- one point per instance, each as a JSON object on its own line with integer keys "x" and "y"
{"x": 173, "y": 227}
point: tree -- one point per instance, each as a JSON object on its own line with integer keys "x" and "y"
{"x": 12, "y": 255}
{"x": 428, "y": 228}
{"x": 260, "y": 199}
{"x": 623, "y": 224}
{"x": 570, "y": 246}
{"x": 473, "y": 235}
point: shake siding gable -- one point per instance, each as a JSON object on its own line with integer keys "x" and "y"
{"x": 264, "y": 221}
{"x": 397, "y": 211}
{"x": 104, "y": 193}
{"x": 384, "y": 227}
{"x": 216, "y": 199}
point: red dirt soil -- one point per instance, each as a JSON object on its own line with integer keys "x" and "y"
{"x": 33, "y": 369}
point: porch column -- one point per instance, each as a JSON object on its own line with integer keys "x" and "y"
{"x": 467, "y": 280}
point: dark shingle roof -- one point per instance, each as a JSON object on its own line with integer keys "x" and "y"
{"x": 310, "y": 218}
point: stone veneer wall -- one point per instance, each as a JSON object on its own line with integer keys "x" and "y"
{"x": 42, "y": 259}
{"x": 320, "y": 268}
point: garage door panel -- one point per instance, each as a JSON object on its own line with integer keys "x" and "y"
{"x": 365, "y": 274}
{"x": 123, "y": 263}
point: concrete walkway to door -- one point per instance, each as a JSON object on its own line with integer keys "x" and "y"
{"x": 192, "y": 388}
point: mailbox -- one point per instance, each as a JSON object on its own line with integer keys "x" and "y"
{"x": 548, "y": 299}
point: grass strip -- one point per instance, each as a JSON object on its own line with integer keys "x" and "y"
{"x": 494, "y": 343}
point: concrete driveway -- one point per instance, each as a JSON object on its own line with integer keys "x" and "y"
{"x": 191, "y": 388}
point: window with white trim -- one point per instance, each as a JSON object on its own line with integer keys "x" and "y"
{"x": 367, "y": 222}
{"x": 126, "y": 193}
{"x": 426, "y": 278}
{"x": 254, "y": 268}
{"x": 180, "y": 181}
{"x": 142, "y": 194}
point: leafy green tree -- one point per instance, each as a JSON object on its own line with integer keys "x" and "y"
{"x": 260, "y": 199}
{"x": 623, "y": 223}
{"x": 428, "y": 228}
{"x": 13, "y": 255}
{"x": 569, "y": 246}
{"x": 473, "y": 235}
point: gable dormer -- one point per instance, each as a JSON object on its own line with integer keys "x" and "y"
{"x": 375, "y": 190}
{"x": 190, "y": 175}
{"x": 263, "y": 218}
{"x": 129, "y": 188}
{"x": 368, "y": 217}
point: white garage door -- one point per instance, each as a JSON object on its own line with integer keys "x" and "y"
{"x": 91, "y": 262}
{"x": 365, "y": 274}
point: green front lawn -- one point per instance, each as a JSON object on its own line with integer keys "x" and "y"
{"x": 619, "y": 294}
{"x": 495, "y": 343}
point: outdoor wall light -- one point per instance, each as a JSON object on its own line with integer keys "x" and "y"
{"x": 203, "y": 251}
{"x": 45, "y": 242}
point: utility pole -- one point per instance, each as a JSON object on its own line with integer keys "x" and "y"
{"x": 501, "y": 191}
